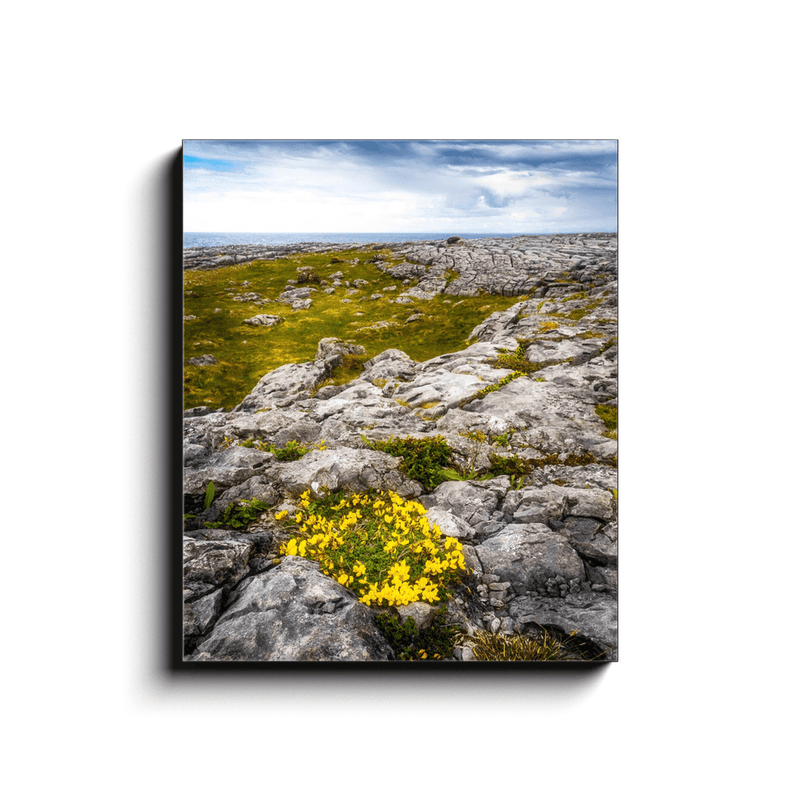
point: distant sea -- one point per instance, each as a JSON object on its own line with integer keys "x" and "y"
{"x": 220, "y": 239}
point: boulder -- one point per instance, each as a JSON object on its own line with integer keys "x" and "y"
{"x": 471, "y": 501}
{"x": 294, "y": 613}
{"x": 220, "y": 562}
{"x": 225, "y": 468}
{"x": 200, "y": 615}
{"x": 282, "y": 386}
{"x": 390, "y": 364}
{"x": 449, "y": 524}
{"x": 556, "y": 502}
{"x": 332, "y": 349}
{"x": 528, "y": 556}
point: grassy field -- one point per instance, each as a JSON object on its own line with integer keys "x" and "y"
{"x": 245, "y": 352}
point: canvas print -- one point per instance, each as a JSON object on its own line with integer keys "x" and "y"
{"x": 400, "y": 401}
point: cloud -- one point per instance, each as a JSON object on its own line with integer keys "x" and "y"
{"x": 399, "y": 186}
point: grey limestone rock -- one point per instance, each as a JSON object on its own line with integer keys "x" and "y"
{"x": 527, "y": 556}
{"x": 390, "y": 364}
{"x": 345, "y": 468}
{"x": 294, "y": 613}
{"x": 422, "y": 614}
{"x": 225, "y": 468}
{"x": 280, "y": 387}
{"x": 220, "y": 562}
{"x": 199, "y": 615}
{"x": 556, "y": 502}
{"x": 264, "y": 320}
{"x": 203, "y": 361}
{"x": 449, "y": 524}
{"x": 291, "y": 296}
{"x": 471, "y": 501}
{"x": 591, "y": 615}
{"x": 332, "y": 349}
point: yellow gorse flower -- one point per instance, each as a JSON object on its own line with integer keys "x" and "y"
{"x": 379, "y": 545}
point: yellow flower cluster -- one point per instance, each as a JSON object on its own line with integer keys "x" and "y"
{"x": 377, "y": 544}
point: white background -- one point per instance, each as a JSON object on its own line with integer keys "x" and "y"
{"x": 703, "y": 701}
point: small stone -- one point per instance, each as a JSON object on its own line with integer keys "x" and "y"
{"x": 509, "y": 627}
{"x": 203, "y": 361}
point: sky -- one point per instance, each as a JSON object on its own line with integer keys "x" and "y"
{"x": 426, "y": 185}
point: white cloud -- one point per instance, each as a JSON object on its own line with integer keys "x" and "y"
{"x": 336, "y": 186}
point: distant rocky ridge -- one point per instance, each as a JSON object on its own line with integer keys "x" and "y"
{"x": 541, "y": 554}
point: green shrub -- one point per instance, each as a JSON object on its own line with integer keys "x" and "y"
{"x": 240, "y": 514}
{"x": 513, "y": 466}
{"x": 292, "y": 452}
{"x": 423, "y": 459}
{"x": 516, "y": 360}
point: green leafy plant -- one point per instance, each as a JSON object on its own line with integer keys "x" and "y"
{"x": 411, "y": 644}
{"x": 240, "y": 514}
{"x": 293, "y": 451}
{"x": 423, "y": 459}
{"x": 209, "y": 497}
{"x": 513, "y": 466}
{"x": 449, "y": 474}
{"x": 377, "y": 544}
{"x": 504, "y": 439}
{"x": 516, "y": 360}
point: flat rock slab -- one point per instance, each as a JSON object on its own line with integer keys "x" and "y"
{"x": 592, "y": 615}
{"x": 440, "y": 388}
{"x": 323, "y": 471}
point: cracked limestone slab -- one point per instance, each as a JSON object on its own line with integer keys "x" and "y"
{"x": 323, "y": 471}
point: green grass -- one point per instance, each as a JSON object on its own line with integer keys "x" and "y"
{"x": 608, "y": 414}
{"x": 245, "y": 353}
